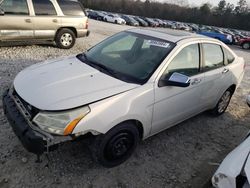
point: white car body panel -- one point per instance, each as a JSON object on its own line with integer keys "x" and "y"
{"x": 232, "y": 166}
{"x": 56, "y": 86}
{"x": 114, "y": 19}
{"x": 66, "y": 84}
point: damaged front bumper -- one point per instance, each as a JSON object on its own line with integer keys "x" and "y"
{"x": 32, "y": 138}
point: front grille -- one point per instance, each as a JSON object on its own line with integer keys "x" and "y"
{"x": 29, "y": 108}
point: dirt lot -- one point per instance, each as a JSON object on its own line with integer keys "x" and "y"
{"x": 182, "y": 156}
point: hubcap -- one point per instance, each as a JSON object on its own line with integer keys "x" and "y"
{"x": 119, "y": 146}
{"x": 66, "y": 39}
{"x": 246, "y": 45}
{"x": 224, "y": 101}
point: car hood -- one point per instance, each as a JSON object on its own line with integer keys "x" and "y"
{"x": 66, "y": 83}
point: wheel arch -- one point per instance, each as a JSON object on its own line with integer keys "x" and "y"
{"x": 70, "y": 28}
{"x": 138, "y": 124}
{"x": 232, "y": 88}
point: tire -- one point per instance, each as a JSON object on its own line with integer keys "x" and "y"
{"x": 223, "y": 103}
{"x": 65, "y": 38}
{"x": 116, "y": 22}
{"x": 116, "y": 146}
{"x": 246, "y": 45}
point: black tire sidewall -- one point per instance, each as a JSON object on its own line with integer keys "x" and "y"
{"x": 59, "y": 35}
{"x": 100, "y": 143}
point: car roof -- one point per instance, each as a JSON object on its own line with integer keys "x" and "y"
{"x": 168, "y": 34}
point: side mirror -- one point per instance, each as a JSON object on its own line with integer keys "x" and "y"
{"x": 248, "y": 100}
{"x": 176, "y": 79}
{"x": 1, "y": 12}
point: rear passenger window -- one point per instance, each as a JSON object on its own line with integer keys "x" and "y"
{"x": 187, "y": 62}
{"x": 71, "y": 8}
{"x": 15, "y": 7}
{"x": 44, "y": 8}
{"x": 229, "y": 56}
{"x": 213, "y": 56}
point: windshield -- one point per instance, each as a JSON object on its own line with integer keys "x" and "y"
{"x": 128, "y": 56}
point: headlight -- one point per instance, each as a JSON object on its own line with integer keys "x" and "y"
{"x": 62, "y": 123}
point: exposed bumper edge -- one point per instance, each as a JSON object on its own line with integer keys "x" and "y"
{"x": 30, "y": 139}
{"x": 83, "y": 33}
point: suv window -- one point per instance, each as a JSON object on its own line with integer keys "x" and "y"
{"x": 44, "y": 8}
{"x": 71, "y": 8}
{"x": 213, "y": 56}
{"x": 186, "y": 62}
{"x": 229, "y": 56}
{"x": 16, "y": 7}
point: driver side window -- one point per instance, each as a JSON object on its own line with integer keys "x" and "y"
{"x": 186, "y": 62}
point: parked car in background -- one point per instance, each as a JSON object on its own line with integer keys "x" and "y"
{"x": 244, "y": 43}
{"x": 145, "y": 81}
{"x": 150, "y": 22}
{"x": 96, "y": 15}
{"x": 114, "y": 19}
{"x": 227, "y": 39}
{"x": 142, "y": 22}
{"x": 234, "y": 171}
{"x": 129, "y": 20}
{"x": 61, "y": 21}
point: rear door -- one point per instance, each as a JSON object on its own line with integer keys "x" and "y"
{"x": 217, "y": 75}
{"x": 46, "y": 20}
{"x": 175, "y": 104}
{"x": 16, "y": 23}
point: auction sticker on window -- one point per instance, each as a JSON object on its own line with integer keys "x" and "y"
{"x": 158, "y": 43}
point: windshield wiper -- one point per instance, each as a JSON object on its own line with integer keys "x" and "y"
{"x": 99, "y": 66}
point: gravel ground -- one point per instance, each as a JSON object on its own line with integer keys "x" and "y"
{"x": 182, "y": 156}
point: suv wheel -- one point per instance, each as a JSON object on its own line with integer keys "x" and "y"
{"x": 223, "y": 103}
{"x": 246, "y": 45}
{"x": 65, "y": 38}
{"x": 116, "y": 146}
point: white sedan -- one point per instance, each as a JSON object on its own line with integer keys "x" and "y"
{"x": 127, "y": 88}
{"x": 114, "y": 19}
{"x": 234, "y": 171}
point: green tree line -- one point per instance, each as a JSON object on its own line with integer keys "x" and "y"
{"x": 223, "y": 15}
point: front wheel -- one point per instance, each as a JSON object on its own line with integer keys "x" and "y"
{"x": 223, "y": 103}
{"x": 246, "y": 45}
{"x": 65, "y": 38}
{"x": 116, "y": 146}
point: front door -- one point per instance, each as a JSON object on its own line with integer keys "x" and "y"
{"x": 16, "y": 23}
{"x": 175, "y": 104}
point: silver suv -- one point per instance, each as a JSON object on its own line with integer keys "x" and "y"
{"x": 61, "y": 21}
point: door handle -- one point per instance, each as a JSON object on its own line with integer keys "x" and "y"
{"x": 27, "y": 20}
{"x": 225, "y": 71}
{"x": 196, "y": 81}
{"x": 55, "y": 20}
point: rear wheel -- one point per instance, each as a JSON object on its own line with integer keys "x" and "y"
{"x": 116, "y": 146}
{"x": 223, "y": 103}
{"x": 246, "y": 45}
{"x": 65, "y": 38}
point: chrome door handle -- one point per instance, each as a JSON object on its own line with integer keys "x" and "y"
{"x": 28, "y": 20}
{"x": 55, "y": 20}
{"x": 196, "y": 81}
{"x": 225, "y": 71}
